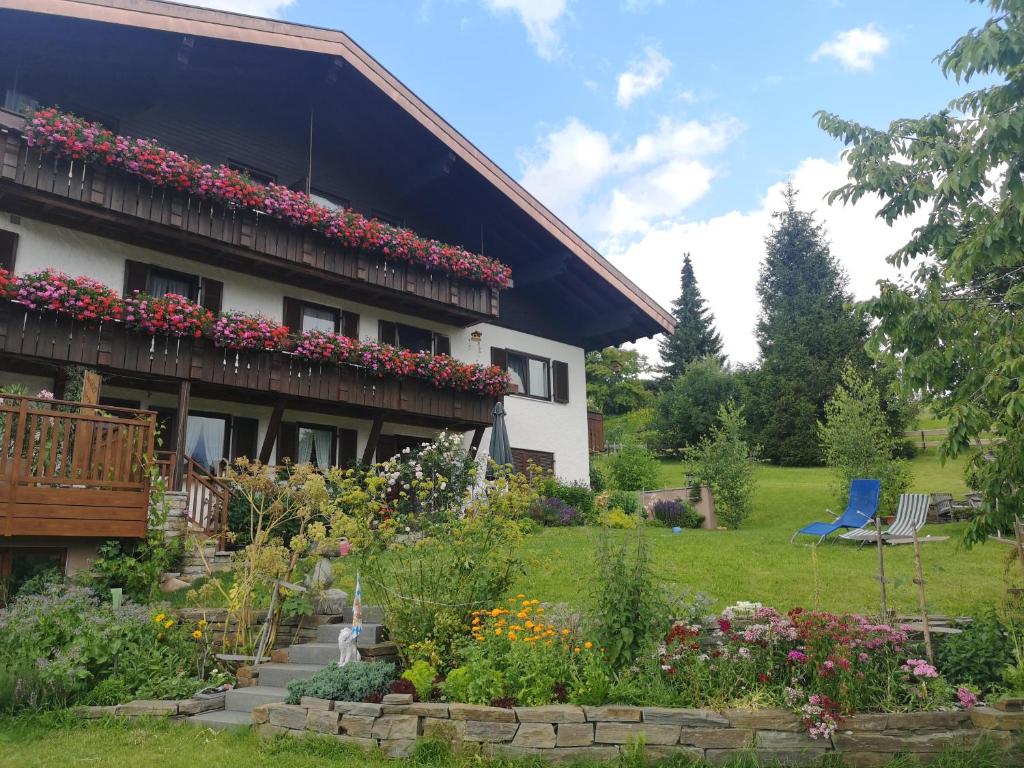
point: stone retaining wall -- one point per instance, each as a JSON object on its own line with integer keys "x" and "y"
{"x": 178, "y": 708}
{"x": 566, "y": 732}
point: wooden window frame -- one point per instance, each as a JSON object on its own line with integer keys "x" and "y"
{"x": 192, "y": 279}
{"x": 322, "y": 427}
{"x": 526, "y": 382}
{"x": 303, "y": 305}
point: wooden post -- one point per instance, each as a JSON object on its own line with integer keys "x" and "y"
{"x": 82, "y": 448}
{"x": 180, "y": 432}
{"x": 919, "y": 580}
{"x": 474, "y": 446}
{"x": 881, "y": 568}
{"x": 273, "y": 429}
{"x": 371, "y": 440}
{"x": 1018, "y": 529}
{"x": 92, "y": 383}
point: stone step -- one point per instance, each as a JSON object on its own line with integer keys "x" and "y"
{"x": 221, "y": 720}
{"x": 313, "y": 653}
{"x": 279, "y": 675}
{"x": 245, "y": 699}
{"x": 328, "y": 633}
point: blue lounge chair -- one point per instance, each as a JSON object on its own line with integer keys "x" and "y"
{"x": 860, "y": 511}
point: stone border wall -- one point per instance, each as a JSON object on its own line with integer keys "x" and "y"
{"x": 173, "y": 708}
{"x": 566, "y": 732}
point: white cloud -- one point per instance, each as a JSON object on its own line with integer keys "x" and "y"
{"x": 266, "y": 8}
{"x": 601, "y": 184}
{"x": 540, "y": 17}
{"x": 643, "y": 76}
{"x": 727, "y": 252}
{"x": 855, "y": 49}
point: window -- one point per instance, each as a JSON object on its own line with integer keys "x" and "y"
{"x": 522, "y": 458}
{"x": 316, "y": 318}
{"x": 306, "y": 316}
{"x": 532, "y": 375}
{"x": 316, "y": 446}
{"x": 149, "y": 278}
{"x": 329, "y": 200}
{"x": 413, "y": 338}
{"x": 260, "y": 177}
{"x": 8, "y": 250}
{"x": 164, "y": 281}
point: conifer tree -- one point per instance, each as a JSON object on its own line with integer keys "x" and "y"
{"x": 695, "y": 336}
{"x": 807, "y": 332}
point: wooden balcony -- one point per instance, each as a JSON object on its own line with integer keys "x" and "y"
{"x": 70, "y": 470}
{"x": 112, "y": 349}
{"x": 115, "y": 204}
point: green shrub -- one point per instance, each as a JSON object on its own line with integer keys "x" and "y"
{"x": 598, "y": 482}
{"x": 478, "y": 683}
{"x": 634, "y": 468}
{"x": 618, "y": 519}
{"x": 627, "y": 501}
{"x": 723, "y": 461}
{"x": 627, "y": 608}
{"x": 73, "y": 644}
{"x": 422, "y": 676}
{"x": 353, "y": 682}
{"x": 576, "y": 495}
{"x": 978, "y": 655}
{"x": 676, "y": 512}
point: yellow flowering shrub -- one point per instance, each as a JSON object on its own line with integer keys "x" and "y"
{"x": 517, "y": 657}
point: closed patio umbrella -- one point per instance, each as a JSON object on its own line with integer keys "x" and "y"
{"x": 500, "y": 452}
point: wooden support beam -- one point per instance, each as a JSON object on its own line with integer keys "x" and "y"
{"x": 180, "y": 430}
{"x": 273, "y": 428}
{"x": 371, "y": 441}
{"x": 474, "y": 446}
{"x": 92, "y": 384}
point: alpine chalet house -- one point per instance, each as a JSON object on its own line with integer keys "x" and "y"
{"x": 177, "y": 186}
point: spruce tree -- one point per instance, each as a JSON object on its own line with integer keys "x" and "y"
{"x": 807, "y": 333}
{"x": 695, "y": 336}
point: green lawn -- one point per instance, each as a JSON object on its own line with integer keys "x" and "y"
{"x": 758, "y": 563}
{"x": 49, "y": 743}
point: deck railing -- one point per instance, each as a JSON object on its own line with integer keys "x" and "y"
{"x": 72, "y": 469}
{"x": 206, "y": 497}
{"x": 110, "y": 193}
{"x": 113, "y": 348}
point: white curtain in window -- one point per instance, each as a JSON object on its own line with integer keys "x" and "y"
{"x": 164, "y": 284}
{"x": 517, "y": 367}
{"x": 305, "y": 445}
{"x": 323, "y": 447}
{"x": 204, "y": 440}
{"x": 539, "y": 383}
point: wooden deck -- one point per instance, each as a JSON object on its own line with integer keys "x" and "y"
{"x": 78, "y": 194}
{"x": 113, "y": 349}
{"x": 72, "y": 470}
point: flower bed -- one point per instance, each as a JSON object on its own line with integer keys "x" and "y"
{"x": 63, "y": 134}
{"x": 88, "y": 300}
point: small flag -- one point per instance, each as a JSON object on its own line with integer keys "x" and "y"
{"x": 357, "y": 609}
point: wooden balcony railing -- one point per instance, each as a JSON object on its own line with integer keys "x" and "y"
{"x": 112, "y": 348}
{"x": 182, "y": 223}
{"x": 68, "y": 469}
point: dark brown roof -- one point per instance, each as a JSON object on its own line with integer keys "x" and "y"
{"x": 202, "y": 22}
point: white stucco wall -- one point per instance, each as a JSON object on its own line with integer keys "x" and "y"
{"x": 532, "y": 424}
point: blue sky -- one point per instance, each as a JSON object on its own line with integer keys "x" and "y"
{"x": 654, "y": 128}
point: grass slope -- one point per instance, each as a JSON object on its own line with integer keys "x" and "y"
{"x": 758, "y": 563}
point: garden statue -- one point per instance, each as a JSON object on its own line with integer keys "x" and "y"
{"x": 347, "y": 650}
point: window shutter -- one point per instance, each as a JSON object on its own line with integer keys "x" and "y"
{"x": 211, "y": 292}
{"x": 499, "y": 357}
{"x": 560, "y": 381}
{"x": 136, "y": 277}
{"x": 287, "y": 442}
{"x": 348, "y": 456}
{"x": 350, "y": 324}
{"x": 388, "y": 334}
{"x": 292, "y": 314}
{"x": 442, "y": 344}
{"x": 8, "y": 250}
